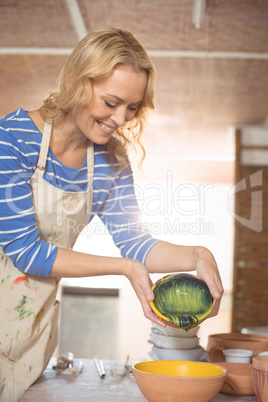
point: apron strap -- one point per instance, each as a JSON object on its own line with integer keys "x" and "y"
{"x": 90, "y": 172}
{"x": 41, "y": 164}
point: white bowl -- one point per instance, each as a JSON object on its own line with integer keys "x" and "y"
{"x": 238, "y": 355}
{"x": 255, "y": 330}
{"x": 174, "y": 331}
{"x": 198, "y": 354}
{"x": 173, "y": 342}
{"x": 265, "y": 353}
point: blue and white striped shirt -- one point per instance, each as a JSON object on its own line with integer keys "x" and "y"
{"x": 114, "y": 198}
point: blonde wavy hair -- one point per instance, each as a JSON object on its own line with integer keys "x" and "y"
{"x": 94, "y": 58}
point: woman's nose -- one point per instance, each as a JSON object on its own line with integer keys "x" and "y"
{"x": 119, "y": 116}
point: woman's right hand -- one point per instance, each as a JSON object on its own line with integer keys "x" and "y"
{"x": 141, "y": 282}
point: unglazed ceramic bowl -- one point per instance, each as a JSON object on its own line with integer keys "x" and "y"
{"x": 173, "y": 342}
{"x": 174, "y": 331}
{"x": 239, "y": 380}
{"x": 179, "y": 381}
{"x": 260, "y": 377}
{"x": 197, "y": 354}
{"x": 181, "y": 300}
{"x": 217, "y": 343}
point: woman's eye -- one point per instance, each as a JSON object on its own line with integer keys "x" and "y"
{"x": 133, "y": 108}
{"x": 109, "y": 104}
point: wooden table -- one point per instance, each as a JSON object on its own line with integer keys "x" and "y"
{"x": 88, "y": 386}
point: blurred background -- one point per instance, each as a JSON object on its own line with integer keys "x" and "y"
{"x": 212, "y": 80}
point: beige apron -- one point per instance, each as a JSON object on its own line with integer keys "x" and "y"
{"x": 29, "y": 309}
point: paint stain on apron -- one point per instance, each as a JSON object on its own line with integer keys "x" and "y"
{"x": 29, "y": 308}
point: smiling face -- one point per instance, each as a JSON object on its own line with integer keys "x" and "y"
{"x": 114, "y": 102}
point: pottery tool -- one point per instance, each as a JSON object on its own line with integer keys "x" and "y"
{"x": 100, "y": 367}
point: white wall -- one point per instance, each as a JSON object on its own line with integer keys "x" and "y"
{"x": 188, "y": 214}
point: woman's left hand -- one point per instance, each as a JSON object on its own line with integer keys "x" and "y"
{"x": 207, "y": 270}
{"x": 168, "y": 257}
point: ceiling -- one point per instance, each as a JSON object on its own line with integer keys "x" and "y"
{"x": 209, "y": 78}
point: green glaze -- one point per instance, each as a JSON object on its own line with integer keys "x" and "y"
{"x": 183, "y": 300}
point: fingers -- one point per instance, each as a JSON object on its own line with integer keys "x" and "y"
{"x": 141, "y": 283}
{"x": 213, "y": 280}
{"x": 145, "y": 295}
{"x": 207, "y": 270}
{"x": 148, "y": 313}
{"x": 215, "y": 286}
{"x": 144, "y": 292}
{"x": 149, "y": 295}
{"x": 215, "y": 308}
{"x": 215, "y": 290}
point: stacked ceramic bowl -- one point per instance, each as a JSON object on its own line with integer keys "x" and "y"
{"x": 172, "y": 343}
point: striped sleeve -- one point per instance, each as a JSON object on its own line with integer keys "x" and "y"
{"x": 19, "y": 235}
{"x": 121, "y": 215}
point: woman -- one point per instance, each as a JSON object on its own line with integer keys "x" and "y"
{"x": 61, "y": 165}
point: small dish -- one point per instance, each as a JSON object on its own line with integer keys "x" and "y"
{"x": 181, "y": 300}
{"x": 172, "y": 342}
{"x": 265, "y": 353}
{"x": 197, "y": 354}
{"x": 174, "y": 331}
{"x": 238, "y": 355}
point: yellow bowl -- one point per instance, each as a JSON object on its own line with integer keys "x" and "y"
{"x": 177, "y": 380}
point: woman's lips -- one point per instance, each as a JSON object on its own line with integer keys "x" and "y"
{"x": 107, "y": 129}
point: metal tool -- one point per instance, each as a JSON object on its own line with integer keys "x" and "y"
{"x": 100, "y": 367}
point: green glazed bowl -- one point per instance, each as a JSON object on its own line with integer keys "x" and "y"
{"x": 181, "y": 300}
